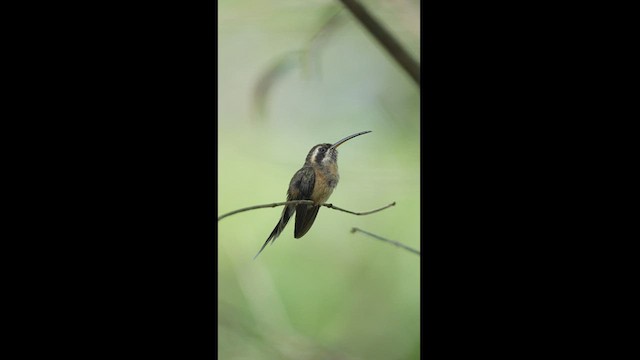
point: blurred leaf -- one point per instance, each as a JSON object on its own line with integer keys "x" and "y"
{"x": 307, "y": 59}
{"x": 268, "y": 79}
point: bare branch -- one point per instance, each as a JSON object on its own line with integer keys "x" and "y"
{"x": 309, "y": 202}
{"x": 265, "y": 206}
{"x": 331, "y": 206}
{"x": 393, "y": 47}
{"x": 396, "y": 243}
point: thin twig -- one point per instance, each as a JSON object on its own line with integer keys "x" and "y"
{"x": 393, "y": 47}
{"x": 331, "y": 206}
{"x": 396, "y": 243}
{"x": 309, "y": 202}
{"x": 265, "y": 206}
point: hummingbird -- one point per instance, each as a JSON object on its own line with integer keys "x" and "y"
{"x": 315, "y": 181}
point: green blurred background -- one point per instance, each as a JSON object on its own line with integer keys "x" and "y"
{"x": 331, "y": 294}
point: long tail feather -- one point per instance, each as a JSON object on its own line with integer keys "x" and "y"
{"x": 284, "y": 219}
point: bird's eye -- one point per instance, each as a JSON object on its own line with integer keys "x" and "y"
{"x": 323, "y": 149}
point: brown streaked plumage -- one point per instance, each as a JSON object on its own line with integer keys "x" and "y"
{"x": 315, "y": 181}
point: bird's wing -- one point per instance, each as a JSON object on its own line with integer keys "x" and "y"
{"x": 300, "y": 188}
{"x": 304, "y": 181}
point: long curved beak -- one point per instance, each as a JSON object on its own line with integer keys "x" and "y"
{"x": 348, "y": 138}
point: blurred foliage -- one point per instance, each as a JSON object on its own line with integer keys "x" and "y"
{"x": 331, "y": 294}
{"x": 306, "y": 59}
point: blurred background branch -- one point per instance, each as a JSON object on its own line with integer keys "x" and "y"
{"x": 307, "y": 57}
{"x": 378, "y": 31}
{"x": 396, "y": 243}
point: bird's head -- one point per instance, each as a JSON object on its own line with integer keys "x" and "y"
{"x": 325, "y": 154}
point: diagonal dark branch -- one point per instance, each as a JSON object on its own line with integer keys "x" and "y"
{"x": 402, "y": 57}
{"x": 309, "y": 202}
{"x": 396, "y": 243}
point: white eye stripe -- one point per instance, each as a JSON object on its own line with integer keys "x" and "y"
{"x": 320, "y": 153}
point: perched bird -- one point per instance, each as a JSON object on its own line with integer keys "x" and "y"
{"x": 315, "y": 181}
